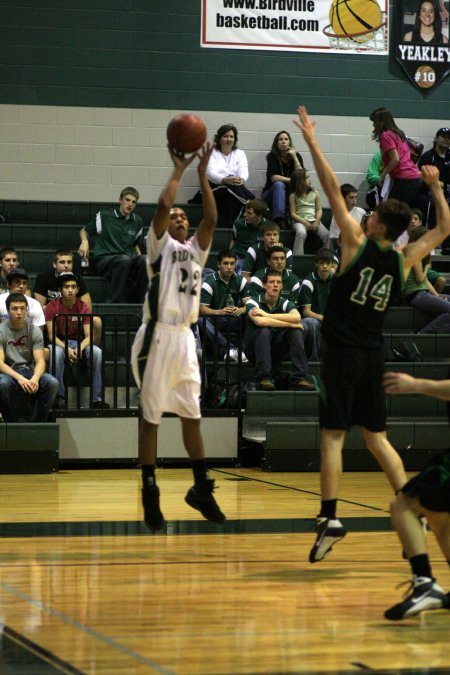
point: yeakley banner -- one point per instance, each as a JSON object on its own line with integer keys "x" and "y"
{"x": 422, "y": 43}
{"x": 348, "y": 26}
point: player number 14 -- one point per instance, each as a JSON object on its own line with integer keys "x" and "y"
{"x": 381, "y": 291}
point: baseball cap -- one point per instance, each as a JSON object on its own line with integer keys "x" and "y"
{"x": 66, "y": 276}
{"x": 443, "y": 131}
{"x": 18, "y": 273}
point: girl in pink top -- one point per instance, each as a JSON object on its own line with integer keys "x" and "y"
{"x": 396, "y": 154}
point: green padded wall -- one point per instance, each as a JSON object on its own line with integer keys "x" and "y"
{"x": 146, "y": 54}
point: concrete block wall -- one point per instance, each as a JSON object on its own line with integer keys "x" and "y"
{"x": 89, "y": 154}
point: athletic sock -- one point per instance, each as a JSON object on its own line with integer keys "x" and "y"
{"x": 420, "y": 565}
{"x": 148, "y": 474}
{"x": 200, "y": 470}
{"x": 328, "y": 508}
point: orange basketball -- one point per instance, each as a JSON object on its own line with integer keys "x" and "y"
{"x": 186, "y": 133}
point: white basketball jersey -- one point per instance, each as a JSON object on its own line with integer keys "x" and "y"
{"x": 175, "y": 278}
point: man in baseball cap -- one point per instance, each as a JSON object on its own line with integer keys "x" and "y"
{"x": 17, "y": 280}
{"x": 439, "y": 156}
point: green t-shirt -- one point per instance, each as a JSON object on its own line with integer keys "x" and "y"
{"x": 314, "y": 292}
{"x": 291, "y": 285}
{"x": 215, "y": 291}
{"x": 256, "y": 258}
{"x": 245, "y": 235}
{"x": 114, "y": 233}
{"x": 283, "y": 306}
{"x": 412, "y": 286}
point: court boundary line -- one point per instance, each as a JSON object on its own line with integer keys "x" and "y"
{"x": 296, "y": 489}
{"x": 91, "y": 632}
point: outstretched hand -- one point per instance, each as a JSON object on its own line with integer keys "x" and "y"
{"x": 180, "y": 161}
{"x": 398, "y": 383}
{"x": 204, "y": 154}
{"x": 305, "y": 124}
{"x": 430, "y": 174}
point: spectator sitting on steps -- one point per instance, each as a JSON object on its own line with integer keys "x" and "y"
{"x": 224, "y": 295}
{"x": 276, "y": 259}
{"x": 117, "y": 254}
{"x": 46, "y": 287}
{"x": 256, "y": 257}
{"x": 17, "y": 280}
{"x": 77, "y": 331}
{"x": 273, "y": 331}
{"x": 246, "y": 230}
{"x": 22, "y": 364}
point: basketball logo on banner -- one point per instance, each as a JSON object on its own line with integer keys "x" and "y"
{"x": 356, "y": 22}
{"x": 422, "y": 46}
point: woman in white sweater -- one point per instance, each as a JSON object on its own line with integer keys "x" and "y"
{"x": 227, "y": 172}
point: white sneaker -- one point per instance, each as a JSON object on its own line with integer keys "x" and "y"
{"x": 244, "y": 358}
{"x": 233, "y": 354}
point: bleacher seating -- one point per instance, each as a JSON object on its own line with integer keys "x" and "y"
{"x": 284, "y": 422}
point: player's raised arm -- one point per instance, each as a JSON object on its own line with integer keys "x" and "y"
{"x": 351, "y": 232}
{"x": 168, "y": 195}
{"x": 417, "y": 250}
{"x": 208, "y": 223}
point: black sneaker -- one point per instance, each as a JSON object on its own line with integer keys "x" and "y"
{"x": 329, "y": 532}
{"x": 100, "y": 405}
{"x": 153, "y": 517}
{"x": 200, "y": 497}
{"x": 425, "y": 594}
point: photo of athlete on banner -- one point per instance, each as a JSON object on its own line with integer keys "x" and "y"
{"x": 422, "y": 41}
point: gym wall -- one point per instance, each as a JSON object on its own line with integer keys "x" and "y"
{"x": 88, "y": 87}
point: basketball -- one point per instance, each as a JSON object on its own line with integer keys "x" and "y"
{"x": 348, "y": 17}
{"x": 186, "y": 133}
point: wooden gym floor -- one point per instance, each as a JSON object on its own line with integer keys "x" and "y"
{"x": 85, "y": 589}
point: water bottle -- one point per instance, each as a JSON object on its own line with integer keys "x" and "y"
{"x": 230, "y": 301}
{"x": 84, "y": 266}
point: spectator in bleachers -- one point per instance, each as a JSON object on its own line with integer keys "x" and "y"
{"x": 227, "y": 173}
{"x": 435, "y": 278}
{"x": 8, "y": 261}
{"x": 396, "y": 154}
{"x": 420, "y": 293}
{"x": 17, "y": 281}
{"x": 22, "y": 364}
{"x": 78, "y": 333}
{"x": 276, "y": 258}
{"x": 46, "y": 286}
{"x": 224, "y": 295}
{"x": 117, "y": 255}
{"x": 438, "y": 156}
{"x": 256, "y": 257}
{"x": 282, "y": 161}
{"x": 313, "y": 298}
{"x": 273, "y": 332}
{"x": 350, "y": 194}
{"x": 373, "y": 194}
{"x": 306, "y": 211}
{"x": 246, "y": 230}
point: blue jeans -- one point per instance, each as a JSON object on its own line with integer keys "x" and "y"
{"x": 269, "y": 346}
{"x": 96, "y": 364}
{"x": 225, "y": 326}
{"x": 11, "y": 393}
{"x": 433, "y": 304}
{"x": 312, "y": 337}
{"x": 276, "y": 198}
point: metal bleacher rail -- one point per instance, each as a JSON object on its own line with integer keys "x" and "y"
{"x": 118, "y": 387}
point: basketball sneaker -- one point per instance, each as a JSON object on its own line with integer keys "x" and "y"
{"x": 153, "y": 517}
{"x": 424, "y": 593}
{"x": 200, "y": 497}
{"x": 329, "y": 532}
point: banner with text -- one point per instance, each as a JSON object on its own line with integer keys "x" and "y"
{"x": 349, "y": 26}
{"x": 422, "y": 46}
